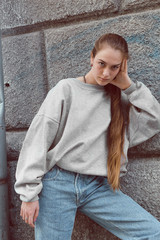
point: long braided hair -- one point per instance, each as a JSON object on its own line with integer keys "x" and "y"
{"x": 115, "y": 138}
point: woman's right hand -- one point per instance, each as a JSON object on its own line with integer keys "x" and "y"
{"x": 29, "y": 212}
{"x": 122, "y": 79}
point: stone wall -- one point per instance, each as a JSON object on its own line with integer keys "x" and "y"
{"x": 45, "y": 41}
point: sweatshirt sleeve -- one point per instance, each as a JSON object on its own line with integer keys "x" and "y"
{"x": 144, "y": 114}
{"x": 32, "y": 160}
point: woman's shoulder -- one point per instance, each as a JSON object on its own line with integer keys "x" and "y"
{"x": 64, "y": 84}
{"x": 62, "y": 89}
{"x": 59, "y": 86}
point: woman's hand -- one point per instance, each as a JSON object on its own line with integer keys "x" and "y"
{"x": 29, "y": 212}
{"x": 122, "y": 79}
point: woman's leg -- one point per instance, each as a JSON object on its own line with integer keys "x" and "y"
{"x": 116, "y": 212}
{"x": 57, "y": 206}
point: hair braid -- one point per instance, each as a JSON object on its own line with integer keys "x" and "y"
{"x": 115, "y": 137}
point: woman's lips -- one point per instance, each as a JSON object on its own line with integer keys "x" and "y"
{"x": 104, "y": 79}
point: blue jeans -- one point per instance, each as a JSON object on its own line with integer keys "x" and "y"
{"x": 64, "y": 192}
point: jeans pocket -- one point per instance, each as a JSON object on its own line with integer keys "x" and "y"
{"x": 51, "y": 174}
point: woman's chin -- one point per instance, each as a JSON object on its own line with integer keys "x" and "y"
{"x": 103, "y": 82}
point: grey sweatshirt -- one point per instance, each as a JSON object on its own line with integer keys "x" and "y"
{"x": 70, "y": 130}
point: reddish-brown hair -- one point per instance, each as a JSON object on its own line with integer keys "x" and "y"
{"x": 116, "y": 129}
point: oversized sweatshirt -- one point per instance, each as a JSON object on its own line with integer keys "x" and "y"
{"x": 70, "y": 130}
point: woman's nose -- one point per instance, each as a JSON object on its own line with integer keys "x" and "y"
{"x": 106, "y": 72}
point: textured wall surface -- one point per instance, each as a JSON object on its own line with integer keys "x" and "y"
{"x": 46, "y": 41}
{"x": 22, "y": 13}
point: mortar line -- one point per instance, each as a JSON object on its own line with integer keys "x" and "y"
{"x": 45, "y": 73}
{"x": 74, "y": 20}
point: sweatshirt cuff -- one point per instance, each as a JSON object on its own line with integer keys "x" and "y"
{"x": 131, "y": 89}
{"x": 24, "y": 199}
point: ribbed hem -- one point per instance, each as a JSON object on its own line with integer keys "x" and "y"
{"x": 22, "y": 198}
{"x": 131, "y": 89}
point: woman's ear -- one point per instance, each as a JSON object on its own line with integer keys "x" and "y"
{"x": 91, "y": 59}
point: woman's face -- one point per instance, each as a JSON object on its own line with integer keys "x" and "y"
{"x": 106, "y": 65}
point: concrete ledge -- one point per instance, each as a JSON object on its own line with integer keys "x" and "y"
{"x": 16, "y": 14}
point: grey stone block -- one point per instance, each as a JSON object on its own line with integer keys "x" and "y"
{"x": 141, "y": 183}
{"x": 140, "y": 4}
{"x": 22, "y": 13}
{"x": 68, "y": 48}
{"x": 14, "y": 142}
{"x": 24, "y": 78}
{"x": 150, "y": 147}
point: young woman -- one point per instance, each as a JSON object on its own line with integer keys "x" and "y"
{"x": 76, "y": 150}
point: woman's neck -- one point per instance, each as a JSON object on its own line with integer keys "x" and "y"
{"x": 88, "y": 78}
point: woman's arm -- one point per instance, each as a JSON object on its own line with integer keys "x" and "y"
{"x": 144, "y": 114}
{"x": 32, "y": 162}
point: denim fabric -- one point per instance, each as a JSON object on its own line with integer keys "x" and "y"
{"x": 66, "y": 192}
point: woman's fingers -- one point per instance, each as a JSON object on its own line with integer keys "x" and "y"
{"x": 22, "y": 214}
{"x": 124, "y": 66}
{"x": 36, "y": 214}
{"x": 29, "y": 212}
{"x": 30, "y": 221}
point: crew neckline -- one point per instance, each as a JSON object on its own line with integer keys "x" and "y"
{"x": 87, "y": 85}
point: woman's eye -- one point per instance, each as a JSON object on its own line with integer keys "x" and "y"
{"x": 101, "y": 64}
{"x": 115, "y": 67}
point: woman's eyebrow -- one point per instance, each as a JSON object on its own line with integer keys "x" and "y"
{"x": 101, "y": 60}
{"x": 118, "y": 64}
